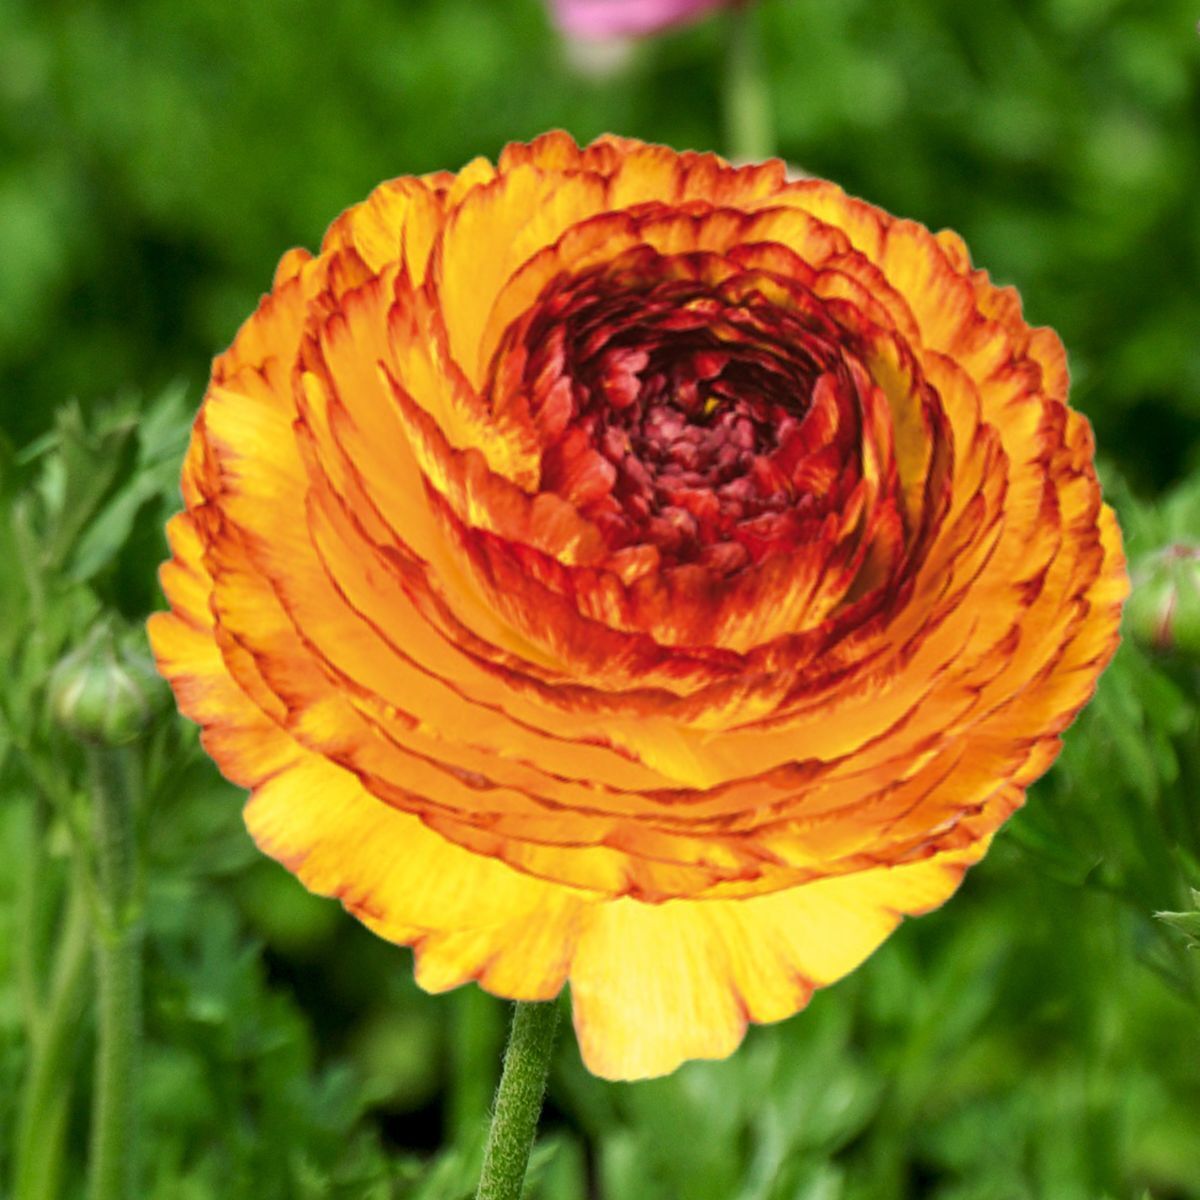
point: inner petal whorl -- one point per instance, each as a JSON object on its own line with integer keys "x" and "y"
{"x": 705, "y": 410}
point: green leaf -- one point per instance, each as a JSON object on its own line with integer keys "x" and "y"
{"x": 85, "y": 466}
{"x": 1187, "y": 923}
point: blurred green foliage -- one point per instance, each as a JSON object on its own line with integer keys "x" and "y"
{"x": 1038, "y": 1038}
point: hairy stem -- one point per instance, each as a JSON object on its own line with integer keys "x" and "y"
{"x": 518, "y": 1100}
{"x": 113, "y": 1165}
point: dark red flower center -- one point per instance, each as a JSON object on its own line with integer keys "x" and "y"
{"x": 693, "y": 406}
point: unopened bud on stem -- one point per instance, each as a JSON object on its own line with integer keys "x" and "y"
{"x": 106, "y": 690}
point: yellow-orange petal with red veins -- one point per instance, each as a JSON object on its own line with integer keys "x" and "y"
{"x": 616, "y": 568}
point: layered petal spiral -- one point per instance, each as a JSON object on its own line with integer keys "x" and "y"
{"x": 617, "y": 568}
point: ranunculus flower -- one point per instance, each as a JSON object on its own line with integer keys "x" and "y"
{"x": 627, "y": 18}
{"x": 616, "y": 568}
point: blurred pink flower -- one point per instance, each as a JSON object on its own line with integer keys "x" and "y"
{"x": 597, "y": 19}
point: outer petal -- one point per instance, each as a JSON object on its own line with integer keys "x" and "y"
{"x": 511, "y": 932}
{"x": 655, "y": 985}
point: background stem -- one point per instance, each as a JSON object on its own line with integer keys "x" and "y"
{"x": 114, "y": 1158}
{"x": 518, "y": 1100}
{"x": 41, "y": 1124}
{"x": 749, "y": 136}
{"x": 28, "y": 925}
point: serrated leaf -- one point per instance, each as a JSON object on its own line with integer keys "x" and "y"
{"x": 1187, "y": 923}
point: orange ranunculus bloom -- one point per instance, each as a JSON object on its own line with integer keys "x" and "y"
{"x": 617, "y": 568}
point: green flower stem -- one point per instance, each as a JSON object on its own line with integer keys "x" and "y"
{"x": 45, "y": 1100}
{"x": 518, "y": 1100}
{"x": 748, "y": 133}
{"x": 26, "y": 944}
{"x": 113, "y": 1165}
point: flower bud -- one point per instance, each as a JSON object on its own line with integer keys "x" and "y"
{"x": 1164, "y": 610}
{"x": 106, "y": 690}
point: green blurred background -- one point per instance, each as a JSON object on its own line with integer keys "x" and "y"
{"x": 1040, "y": 1037}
